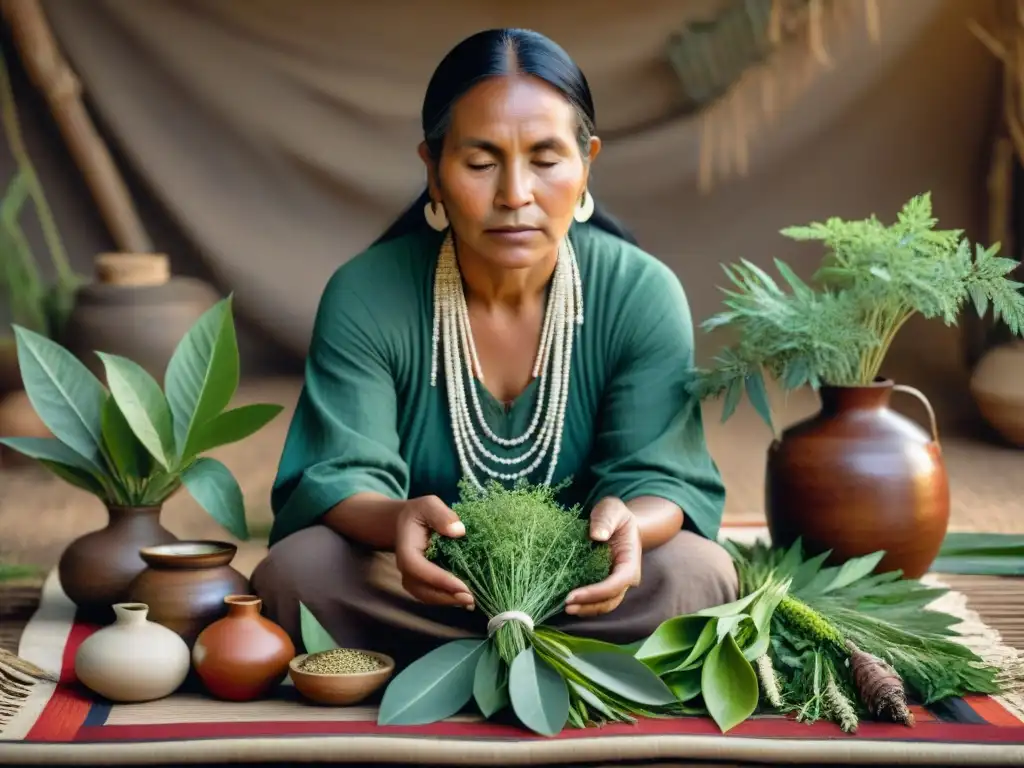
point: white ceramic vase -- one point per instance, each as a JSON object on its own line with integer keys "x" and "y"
{"x": 133, "y": 659}
{"x": 996, "y": 385}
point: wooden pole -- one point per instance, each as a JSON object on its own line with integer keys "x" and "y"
{"x": 49, "y": 71}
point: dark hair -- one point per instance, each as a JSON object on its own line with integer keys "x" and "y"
{"x": 491, "y": 53}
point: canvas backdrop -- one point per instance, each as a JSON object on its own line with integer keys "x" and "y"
{"x": 270, "y": 141}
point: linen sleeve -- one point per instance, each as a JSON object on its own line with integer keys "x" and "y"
{"x": 650, "y": 440}
{"x": 343, "y": 438}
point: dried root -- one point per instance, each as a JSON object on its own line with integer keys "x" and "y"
{"x": 880, "y": 687}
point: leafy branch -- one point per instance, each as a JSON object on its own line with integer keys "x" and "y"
{"x": 872, "y": 280}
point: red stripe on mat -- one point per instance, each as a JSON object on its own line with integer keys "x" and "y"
{"x": 769, "y": 728}
{"x": 68, "y": 707}
{"x": 993, "y": 712}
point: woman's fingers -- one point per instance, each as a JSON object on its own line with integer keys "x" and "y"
{"x": 422, "y": 578}
{"x": 431, "y": 596}
{"x": 596, "y": 609}
{"x": 612, "y": 589}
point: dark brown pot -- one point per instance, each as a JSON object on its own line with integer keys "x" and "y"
{"x": 185, "y": 584}
{"x": 135, "y": 309}
{"x": 10, "y": 372}
{"x": 97, "y": 569}
{"x": 858, "y": 478}
{"x": 243, "y": 656}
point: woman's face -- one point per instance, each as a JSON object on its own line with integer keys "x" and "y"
{"x": 511, "y": 172}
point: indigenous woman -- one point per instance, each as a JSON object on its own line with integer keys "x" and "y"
{"x": 503, "y": 328}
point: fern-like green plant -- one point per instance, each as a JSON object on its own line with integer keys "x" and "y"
{"x": 873, "y": 279}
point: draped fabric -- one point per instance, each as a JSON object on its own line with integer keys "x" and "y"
{"x": 281, "y": 137}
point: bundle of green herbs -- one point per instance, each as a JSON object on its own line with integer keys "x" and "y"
{"x": 839, "y": 643}
{"x": 521, "y": 555}
{"x": 872, "y": 279}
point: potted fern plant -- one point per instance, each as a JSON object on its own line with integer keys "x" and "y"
{"x": 856, "y": 477}
{"x": 135, "y": 444}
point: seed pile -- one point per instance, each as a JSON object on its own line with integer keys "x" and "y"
{"x": 340, "y": 661}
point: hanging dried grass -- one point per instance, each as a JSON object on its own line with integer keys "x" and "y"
{"x": 801, "y": 33}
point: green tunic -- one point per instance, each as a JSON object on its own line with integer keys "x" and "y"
{"x": 368, "y": 419}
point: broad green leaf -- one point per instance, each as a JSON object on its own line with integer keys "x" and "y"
{"x": 759, "y": 647}
{"x": 230, "y": 427}
{"x": 623, "y": 676}
{"x": 685, "y": 685}
{"x": 143, "y": 405}
{"x": 964, "y": 543}
{"x": 853, "y": 570}
{"x": 78, "y": 478}
{"x": 203, "y": 373}
{"x": 490, "y": 682}
{"x": 433, "y": 687}
{"x": 707, "y": 639}
{"x": 807, "y": 572}
{"x": 215, "y": 488}
{"x": 126, "y": 451}
{"x": 729, "y": 625}
{"x": 729, "y": 685}
{"x": 49, "y": 449}
{"x": 734, "y": 608}
{"x": 671, "y": 640}
{"x": 538, "y": 693}
{"x": 980, "y": 565}
{"x": 576, "y": 644}
{"x": 315, "y": 638}
{"x": 64, "y": 393}
{"x": 758, "y": 396}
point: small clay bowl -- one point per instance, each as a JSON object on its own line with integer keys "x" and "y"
{"x": 343, "y": 689}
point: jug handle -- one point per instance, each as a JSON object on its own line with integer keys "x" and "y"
{"x": 924, "y": 401}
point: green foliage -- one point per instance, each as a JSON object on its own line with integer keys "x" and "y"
{"x": 783, "y": 643}
{"x": 873, "y": 278}
{"x": 136, "y": 444}
{"x": 981, "y": 554}
{"x": 523, "y": 552}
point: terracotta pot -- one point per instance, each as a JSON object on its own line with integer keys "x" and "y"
{"x": 18, "y": 419}
{"x": 135, "y": 308}
{"x": 97, "y": 569}
{"x": 859, "y": 477}
{"x": 996, "y": 387}
{"x": 243, "y": 656}
{"x": 134, "y": 659}
{"x": 185, "y": 584}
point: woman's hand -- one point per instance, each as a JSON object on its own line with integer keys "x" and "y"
{"x": 613, "y": 522}
{"x": 422, "y": 579}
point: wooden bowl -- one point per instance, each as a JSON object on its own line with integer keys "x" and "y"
{"x": 343, "y": 689}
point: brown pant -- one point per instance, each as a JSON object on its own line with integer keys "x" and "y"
{"x": 357, "y": 595}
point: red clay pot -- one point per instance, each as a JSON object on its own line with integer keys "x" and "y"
{"x": 243, "y": 656}
{"x": 857, "y": 478}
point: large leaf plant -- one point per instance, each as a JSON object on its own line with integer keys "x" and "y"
{"x": 135, "y": 443}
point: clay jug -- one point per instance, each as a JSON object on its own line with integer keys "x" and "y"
{"x": 243, "y": 656}
{"x": 185, "y": 584}
{"x": 10, "y": 371}
{"x": 132, "y": 660}
{"x": 97, "y": 569}
{"x": 859, "y": 477}
{"x": 136, "y": 309}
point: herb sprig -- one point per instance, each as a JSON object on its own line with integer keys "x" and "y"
{"x": 872, "y": 280}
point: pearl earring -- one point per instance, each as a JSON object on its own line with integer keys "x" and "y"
{"x": 436, "y": 216}
{"x": 585, "y": 209}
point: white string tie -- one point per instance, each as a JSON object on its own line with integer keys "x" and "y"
{"x": 501, "y": 619}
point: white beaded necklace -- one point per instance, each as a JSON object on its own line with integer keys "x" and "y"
{"x": 452, "y": 331}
